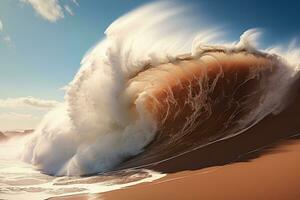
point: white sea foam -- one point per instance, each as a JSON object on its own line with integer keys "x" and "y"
{"x": 19, "y": 179}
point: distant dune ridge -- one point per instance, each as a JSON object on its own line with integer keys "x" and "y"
{"x": 6, "y": 135}
{"x": 10, "y": 134}
{"x": 2, "y": 136}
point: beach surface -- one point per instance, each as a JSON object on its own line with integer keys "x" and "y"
{"x": 272, "y": 176}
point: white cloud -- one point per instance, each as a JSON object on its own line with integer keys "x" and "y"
{"x": 7, "y": 40}
{"x": 4, "y": 38}
{"x": 48, "y": 9}
{"x": 27, "y": 102}
{"x": 1, "y": 26}
{"x": 15, "y": 116}
{"x": 18, "y": 121}
{"x": 75, "y": 2}
{"x": 68, "y": 10}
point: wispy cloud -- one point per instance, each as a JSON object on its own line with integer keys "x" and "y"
{"x": 1, "y": 26}
{"x": 75, "y": 2}
{"x": 50, "y": 10}
{"x": 68, "y": 10}
{"x": 27, "y": 102}
{"x": 7, "y": 40}
{"x": 18, "y": 121}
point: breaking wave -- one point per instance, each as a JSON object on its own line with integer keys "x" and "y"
{"x": 160, "y": 84}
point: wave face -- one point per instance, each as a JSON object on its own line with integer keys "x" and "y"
{"x": 155, "y": 88}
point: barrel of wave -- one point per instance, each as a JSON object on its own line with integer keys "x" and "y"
{"x": 198, "y": 99}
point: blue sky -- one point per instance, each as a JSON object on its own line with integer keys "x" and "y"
{"x": 41, "y": 49}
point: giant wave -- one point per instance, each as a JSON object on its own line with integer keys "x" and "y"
{"x": 157, "y": 86}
